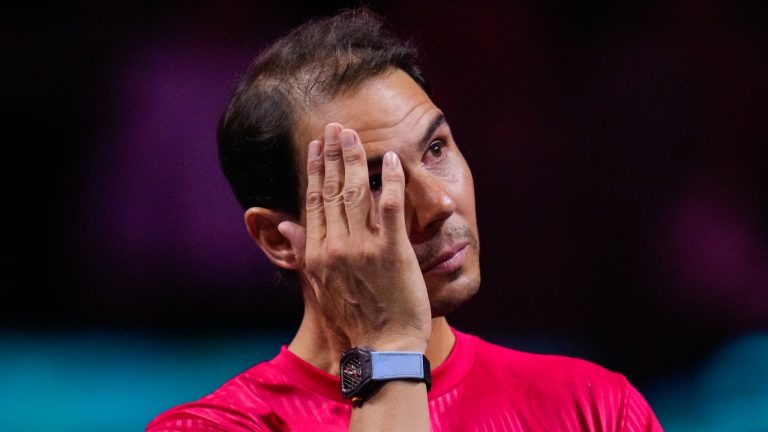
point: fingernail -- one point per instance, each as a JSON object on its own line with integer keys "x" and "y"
{"x": 347, "y": 139}
{"x": 331, "y": 134}
{"x": 391, "y": 159}
{"x": 314, "y": 149}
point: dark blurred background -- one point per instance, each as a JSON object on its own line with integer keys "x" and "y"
{"x": 619, "y": 154}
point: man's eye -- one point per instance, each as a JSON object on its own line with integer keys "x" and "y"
{"x": 436, "y": 148}
{"x": 375, "y": 182}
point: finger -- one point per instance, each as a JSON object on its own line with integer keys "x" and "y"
{"x": 356, "y": 192}
{"x": 392, "y": 201}
{"x": 297, "y": 237}
{"x": 336, "y": 224}
{"x": 314, "y": 198}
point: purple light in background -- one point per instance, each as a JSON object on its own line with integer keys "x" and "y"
{"x": 158, "y": 205}
{"x": 711, "y": 246}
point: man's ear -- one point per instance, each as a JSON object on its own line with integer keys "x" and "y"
{"x": 262, "y": 226}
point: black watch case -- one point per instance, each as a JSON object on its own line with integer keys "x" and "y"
{"x": 356, "y": 370}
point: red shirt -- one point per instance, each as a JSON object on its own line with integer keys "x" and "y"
{"x": 480, "y": 387}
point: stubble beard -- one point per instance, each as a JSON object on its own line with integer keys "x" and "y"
{"x": 453, "y": 289}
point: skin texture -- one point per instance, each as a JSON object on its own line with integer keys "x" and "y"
{"x": 380, "y": 266}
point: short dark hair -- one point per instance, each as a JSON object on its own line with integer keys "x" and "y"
{"x": 310, "y": 65}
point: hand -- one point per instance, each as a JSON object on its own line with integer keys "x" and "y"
{"x": 356, "y": 254}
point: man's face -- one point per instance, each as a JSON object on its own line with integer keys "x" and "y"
{"x": 394, "y": 113}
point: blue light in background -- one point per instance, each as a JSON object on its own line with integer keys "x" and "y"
{"x": 90, "y": 380}
{"x": 118, "y": 381}
{"x": 728, "y": 393}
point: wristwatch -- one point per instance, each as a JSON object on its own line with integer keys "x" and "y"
{"x": 363, "y": 371}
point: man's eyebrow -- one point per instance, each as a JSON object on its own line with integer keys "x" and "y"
{"x": 438, "y": 121}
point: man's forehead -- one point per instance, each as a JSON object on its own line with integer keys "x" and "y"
{"x": 391, "y": 106}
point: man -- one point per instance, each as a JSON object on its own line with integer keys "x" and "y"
{"x": 336, "y": 116}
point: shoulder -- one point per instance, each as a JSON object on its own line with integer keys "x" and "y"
{"x": 566, "y": 386}
{"x": 544, "y": 369}
{"x": 237, "y": 405}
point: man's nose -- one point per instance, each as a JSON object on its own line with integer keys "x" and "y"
{"x": 430, "y": 201}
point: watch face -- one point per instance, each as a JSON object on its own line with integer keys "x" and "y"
{"x": 351, "y": 373}
{"x": 354, "y": 371}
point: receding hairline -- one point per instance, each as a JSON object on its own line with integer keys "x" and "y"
{"x": 303, "y": 113}
{"x": 307, "y": 67}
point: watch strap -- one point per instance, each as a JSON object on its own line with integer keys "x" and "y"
{"x": 389, "y": 365}
{"x": 363, "y": 371}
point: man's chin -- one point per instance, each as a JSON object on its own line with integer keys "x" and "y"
{"x": 445, "y": 298}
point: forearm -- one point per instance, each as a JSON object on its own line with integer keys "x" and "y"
{"x": 397, "y": 406}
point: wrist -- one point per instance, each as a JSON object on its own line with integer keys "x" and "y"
{"x": 393, "y": 343}
{"x": 363, "y": 371}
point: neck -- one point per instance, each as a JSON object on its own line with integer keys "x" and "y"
{"x": 320, "y": 343}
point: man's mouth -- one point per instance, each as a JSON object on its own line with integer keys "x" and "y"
{"x": 450, "y": 259}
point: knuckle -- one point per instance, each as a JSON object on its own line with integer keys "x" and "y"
{"x": 390, "y": 205}
{"x": 330, "y": 190}
{"x": 333, "y": 153}
{"x": 335, "y": 252}
{"x": 314, "y": 167}
{"x": 352, "y": 157}
{"x": 370, "y": 255}
{"x": 353, "y": 194}
{"x": 314, "y": 200}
